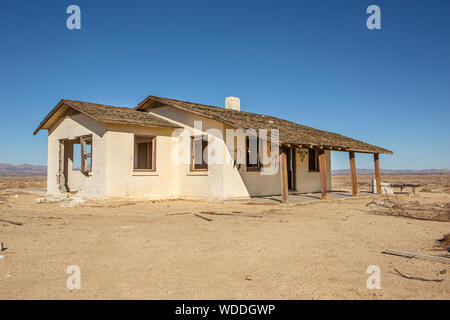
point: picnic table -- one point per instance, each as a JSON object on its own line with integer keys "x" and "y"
{"x": 405, "y": 185}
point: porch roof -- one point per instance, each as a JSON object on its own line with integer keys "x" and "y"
{"x": 289, "y": 132}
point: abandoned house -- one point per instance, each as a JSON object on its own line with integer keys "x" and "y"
{"x": 100, "y": 151}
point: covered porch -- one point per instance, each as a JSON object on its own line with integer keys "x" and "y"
{"x": 287, "y": 194}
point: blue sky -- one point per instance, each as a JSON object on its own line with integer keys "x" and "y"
{"x": 312, "y": 62}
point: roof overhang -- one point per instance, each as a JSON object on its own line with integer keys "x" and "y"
{"x": 63, "y": 105}
{"x": 154, "y": 102}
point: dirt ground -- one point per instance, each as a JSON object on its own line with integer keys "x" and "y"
{"x": 160, "y": 250}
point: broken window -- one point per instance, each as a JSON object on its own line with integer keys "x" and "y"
{"x": 252, "y": 153}
{"x": 199, "y": 158}
{"x": 144, "y": 153}
{"x": 313, "y": 160}
{"x": 82, "y": 154}
{"x": 86, "y": 154}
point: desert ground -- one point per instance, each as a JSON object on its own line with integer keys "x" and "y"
{"x": 129, "y": 249}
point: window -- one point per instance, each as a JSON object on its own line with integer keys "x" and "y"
{"x": 76, "y": 160}
{"x": 144, "y": 153}
{"x": 252, "y": 153}
{"x": 82, "y": 154}
{"x": 313, "y": 160}
{"x": 86, "y": 154}
{"x": 199, "y": 158}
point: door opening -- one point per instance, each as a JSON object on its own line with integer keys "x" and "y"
{"x": 291, "y": 168}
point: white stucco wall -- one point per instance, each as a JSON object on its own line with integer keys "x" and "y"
{"x": 310, "y": 181}
{"x": 123, "y": 181}
{"x": 113, "y": 162}
{"x": 221, "y": 181}
{"x": 92, "y": 185}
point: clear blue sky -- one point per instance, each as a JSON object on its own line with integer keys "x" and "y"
{"x": 313, "y": 62}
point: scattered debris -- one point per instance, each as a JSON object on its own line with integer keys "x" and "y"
{"x": 49, "y": 200}
{"x": 445, "y": 242}
{"x": 1, "y": 247}
{"x": 73, "y": 203}
{"x": 443, "y": 271}
{"x": 177, "y": 214}
{"x": 232, "y": 214}
{"x": 117, "y": 205}
{"x": 1, "y": 257}
{"x": 127, "y": 227}
{"x": 197, "y": 215}
{"x": 12, "y": 222}
{"x": 416, "y": 255}
{"x": 248, "y": 278}
{"x": 415, "y": 278}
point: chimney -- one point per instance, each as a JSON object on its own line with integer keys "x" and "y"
{"x": 233, "y": 103}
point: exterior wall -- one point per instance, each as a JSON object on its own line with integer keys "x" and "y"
{"x": 307, "y": 181}
{"x": 221, "y": 181}
{"x": 123, "y": 181}
{"x": 92, "y": 185}
{"x": 113, "y": 162}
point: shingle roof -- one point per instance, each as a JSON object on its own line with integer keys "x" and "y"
{"x": 289, "y": 132}
{"x": 110, "y": 114}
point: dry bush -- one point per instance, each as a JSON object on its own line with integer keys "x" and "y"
{"x": 392, "y": 206}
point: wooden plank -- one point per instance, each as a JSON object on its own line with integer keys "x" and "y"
{"x": 11, "y": 222}
{"x": 204, "y": 218}
{"x": 323, "y": 173}
{"x": 354, "y": 181}
{"x": 416, "y": 255}
{"x": 376, "y": 161}
{"x": 284, "y": 176}
{"x": 83, "y": 155}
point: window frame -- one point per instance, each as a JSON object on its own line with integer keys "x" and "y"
{"x": 84, "y": 141}
{"x": 204, "y": 139}
{"x": 152, "y": 140}
{"x": 316, "y": 160}
{"x": 248, "y": 166}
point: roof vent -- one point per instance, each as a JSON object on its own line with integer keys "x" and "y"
{"x": 233, "y": 103}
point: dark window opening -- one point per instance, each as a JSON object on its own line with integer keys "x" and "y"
{"x": 145, "y": 153}
{"x": 199, "y": 154}
{"x": 313, "y": 158}
{"x": 252, "y": 153}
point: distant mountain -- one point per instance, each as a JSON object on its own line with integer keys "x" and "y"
{"x": 22, "y": 170}
{"x": 30, "y": 170}
{"x": 393, "y": 172}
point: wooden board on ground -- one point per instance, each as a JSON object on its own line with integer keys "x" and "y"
{"x": 416, "y": 255}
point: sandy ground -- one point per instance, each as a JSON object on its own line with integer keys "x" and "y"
{"x": 138, "y": 250}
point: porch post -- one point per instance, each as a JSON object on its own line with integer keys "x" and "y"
{"x": 284, "y": 177}
{"x": 323, "y": 173}
{"x": 377, "y": 172}
{"x": 351, "y": 155}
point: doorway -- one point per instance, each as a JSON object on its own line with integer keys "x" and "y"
{"x": 291, "y": 168}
